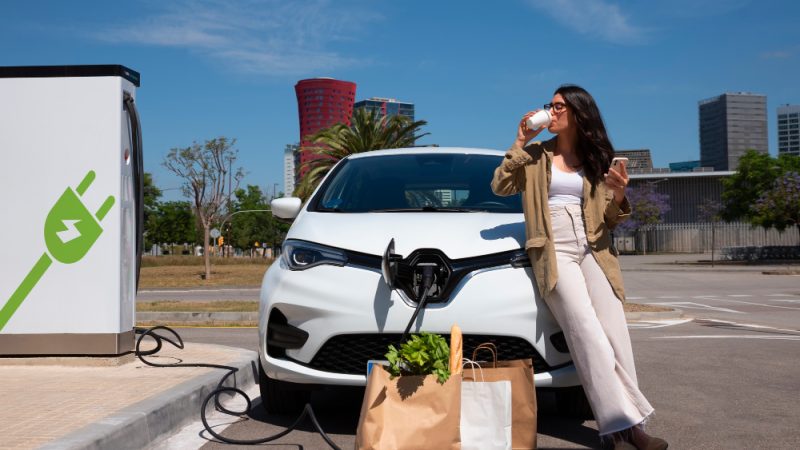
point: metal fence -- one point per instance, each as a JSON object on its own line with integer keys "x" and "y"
{"x": 702, "y": 237}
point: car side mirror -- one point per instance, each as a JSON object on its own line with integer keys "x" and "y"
{"x": 286, "y": 208}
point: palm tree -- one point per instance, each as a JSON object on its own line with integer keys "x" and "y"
{"x": 368, "y": 131}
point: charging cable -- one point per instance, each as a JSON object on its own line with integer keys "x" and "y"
{"x": 308, "y": 412}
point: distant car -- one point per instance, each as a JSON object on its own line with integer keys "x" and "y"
{"x": 326, "y": 309}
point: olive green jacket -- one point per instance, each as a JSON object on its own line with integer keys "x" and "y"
{"x": 528, "y": 171}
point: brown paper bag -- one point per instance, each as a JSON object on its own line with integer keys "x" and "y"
{"x": 409, "y": 412}
{"x": 523, "y": 393}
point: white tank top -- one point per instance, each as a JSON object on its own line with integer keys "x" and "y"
{"x": 566, "y": 188}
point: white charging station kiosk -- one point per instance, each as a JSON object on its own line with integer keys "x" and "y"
{"x": 71, "y": 202}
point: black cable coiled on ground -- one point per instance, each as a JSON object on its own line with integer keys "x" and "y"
{"x": 307, "y": 411}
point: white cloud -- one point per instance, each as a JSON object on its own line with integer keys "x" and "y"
{"x": 268, "y": 37}
{"x": 786, "y": 53}
{"x": 594, "y": 18}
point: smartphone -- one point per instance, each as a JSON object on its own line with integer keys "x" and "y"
{"x": 615, "y": 163}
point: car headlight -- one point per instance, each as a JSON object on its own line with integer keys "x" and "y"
{"x": 301, "y": 255}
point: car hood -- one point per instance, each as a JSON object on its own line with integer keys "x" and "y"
{"x": 458, "y": 235}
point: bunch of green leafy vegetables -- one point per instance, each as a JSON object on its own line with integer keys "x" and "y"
{"x": 423, "y": 354}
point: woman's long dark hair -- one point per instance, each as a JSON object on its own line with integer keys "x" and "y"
{"x": 593, "y": 146}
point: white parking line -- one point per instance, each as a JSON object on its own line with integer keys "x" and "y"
{"x": 739, "y": 295}
{"x": 668, "y": 296}
{"x": 731, "y": 336}
{"x": 780, "y": 295}
{"x": 693, "y": 305}
{"x": 657, "y": 324}
{"x": 759, "y": 304}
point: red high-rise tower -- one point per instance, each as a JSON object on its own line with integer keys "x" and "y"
{"x": 322, "y": 102}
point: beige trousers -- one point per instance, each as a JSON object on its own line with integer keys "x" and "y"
{"x": 594, "y": 325}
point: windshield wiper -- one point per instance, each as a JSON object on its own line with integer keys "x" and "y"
{"x": 424, "y": 209}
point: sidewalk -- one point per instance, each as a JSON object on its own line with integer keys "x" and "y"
{"x": 103, "y": 403}
{"x": 695, "y": 262}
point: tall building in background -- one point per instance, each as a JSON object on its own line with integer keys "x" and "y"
{"x": 789, "y": 129}
{"x": 731, "y": 124}
{"x": 322, "y": 102}
{"x": 387, "y": 107}
{"x": 290, "y": 154}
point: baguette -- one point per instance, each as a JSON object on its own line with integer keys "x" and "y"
{"x": 456, "y": 350}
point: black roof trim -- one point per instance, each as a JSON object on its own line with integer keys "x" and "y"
{"x": 71, "y": 71}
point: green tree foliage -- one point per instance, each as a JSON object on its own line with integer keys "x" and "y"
{"x": 246, "y": 228}
{"x": 368, "y": 131}
{"x": 175, "y": 224}
{"x": 209, "y": 179}
{"x": 757, "y": 174}
{"x": 779, "y": 207}
{"x": 151, "y": 195}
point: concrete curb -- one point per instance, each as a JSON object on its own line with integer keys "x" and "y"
{"x": 143, "y": 423}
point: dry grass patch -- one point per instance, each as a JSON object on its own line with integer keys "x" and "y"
{"x": 192, "y": 276}
{"x": 189, "y": 306}
{"x": 186, "y": 260}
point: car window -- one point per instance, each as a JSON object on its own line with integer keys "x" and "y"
{"x": 430, "y": 182}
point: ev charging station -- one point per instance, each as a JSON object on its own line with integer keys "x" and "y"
{"x": 70, "y": 209}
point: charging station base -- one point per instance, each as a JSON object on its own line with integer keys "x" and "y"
{"x": 105, "y": 344}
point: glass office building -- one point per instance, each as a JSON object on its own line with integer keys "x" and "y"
{"x": 731, "y": 124}
{"x": 789, "y": 129}
{"x": 387, "y": 107}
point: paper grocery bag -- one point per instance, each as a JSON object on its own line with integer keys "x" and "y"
{"x": 409, "y": 412}
{"x": 486, "y": 415}
{"x": 523, "y": 395}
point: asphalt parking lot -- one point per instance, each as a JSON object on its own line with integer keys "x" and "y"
{"x": 725, "y": 379}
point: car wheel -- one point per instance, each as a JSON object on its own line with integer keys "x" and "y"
{"x": 572, "y": 402}
{"x": 280, "y": 397}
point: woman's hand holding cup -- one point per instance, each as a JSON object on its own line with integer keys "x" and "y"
{"x": 539, "y": 119}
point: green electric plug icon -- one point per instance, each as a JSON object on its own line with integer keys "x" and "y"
{"x": 70, "y": 230}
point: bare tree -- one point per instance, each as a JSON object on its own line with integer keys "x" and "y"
{"x": 209, "y": 181}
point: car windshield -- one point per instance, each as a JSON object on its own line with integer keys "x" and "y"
{"x": 431, "y": 182}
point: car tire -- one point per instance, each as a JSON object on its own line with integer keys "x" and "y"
{"x": 280, "y": 397}
{"x": 572, "y": 402}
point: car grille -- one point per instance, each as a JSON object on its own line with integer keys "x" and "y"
{"x": 349, "y": 353}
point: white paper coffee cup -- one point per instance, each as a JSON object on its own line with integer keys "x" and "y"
{"x": 538, "y": 120}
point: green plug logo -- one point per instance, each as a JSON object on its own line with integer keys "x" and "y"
{"x": 70, "y": 230}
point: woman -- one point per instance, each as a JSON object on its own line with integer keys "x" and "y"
{"x": 572, "y": 199}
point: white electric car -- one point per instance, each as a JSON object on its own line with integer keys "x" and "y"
{"x": 327, "y": 307}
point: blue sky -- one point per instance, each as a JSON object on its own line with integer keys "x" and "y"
{"x": 213, "y": 68}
